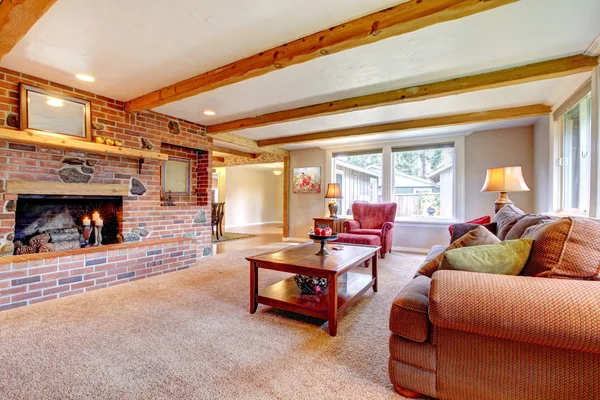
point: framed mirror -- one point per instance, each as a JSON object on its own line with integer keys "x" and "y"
{"x": 55, "y": 114}
{"x": 176, "y": 176}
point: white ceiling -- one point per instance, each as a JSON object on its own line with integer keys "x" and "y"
{"x": 133, "y": 47}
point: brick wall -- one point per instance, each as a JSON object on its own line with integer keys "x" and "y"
{"x": 34, "y": 278}
{"x": 35, "y": 163}
{"x": 190, "y": 218}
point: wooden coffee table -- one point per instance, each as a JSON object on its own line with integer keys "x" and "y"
{"x": 301, "y": 259}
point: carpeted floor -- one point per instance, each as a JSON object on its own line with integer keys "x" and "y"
{"x": 227, "y": 236}
{"x": 188, "y": 335}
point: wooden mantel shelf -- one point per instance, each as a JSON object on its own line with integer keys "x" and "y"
{"x": 39, "y": 139}
{"x": 60, "y": 188}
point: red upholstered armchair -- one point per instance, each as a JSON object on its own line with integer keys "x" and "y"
{"x": 373, "y": 219}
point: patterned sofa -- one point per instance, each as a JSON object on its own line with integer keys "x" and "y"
{"x": 467, "y": 335}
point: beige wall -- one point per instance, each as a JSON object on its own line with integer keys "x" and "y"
{"x": 497, "y": 148}
{"x": 304, "y": 207}
{"x": 252, "y": 196}
{"x": 542, "y": 165}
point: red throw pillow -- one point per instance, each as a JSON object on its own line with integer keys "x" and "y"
{"x": 478, "y": 221}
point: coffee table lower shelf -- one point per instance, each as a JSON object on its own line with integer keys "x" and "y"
{"x": 286, "y": 296}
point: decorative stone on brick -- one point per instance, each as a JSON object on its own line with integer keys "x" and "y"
{"x": 146, "y": 143}
{"x": 174, "y": 128}
{"x": 7, "y": 249}
{"x": 97, "y": 126}
{"x": 10, "y": 237}
{"x": 91, "y": 163}
{"x": 207, "y": 251}
{"x": 127, "y": 237}
{"x": 140, "y": 231}
{"x": 73, "y": 161}
{"x": 11, "y": 206}
{"x": 200, "y": 217}
{"x": 73, "y": 175}
{"x": 137, "y": 187}
{"x": 13, "y": 121}
{"x": 87, "y": 170}
{"x": 189, "y": 235}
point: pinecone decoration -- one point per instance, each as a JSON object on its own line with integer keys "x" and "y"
{"x": 39, "y": 240}
{"x": 46, "y": 248}
{"x": 24, "y": 249}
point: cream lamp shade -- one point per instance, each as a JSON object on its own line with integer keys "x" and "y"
{"x": 504, "y": 180}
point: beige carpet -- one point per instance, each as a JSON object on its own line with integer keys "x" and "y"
{"x": 188, "y": 335}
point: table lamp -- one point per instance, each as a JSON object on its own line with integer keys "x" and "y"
{"x": 333, "y": 192}
{"x": 504, "y": 180}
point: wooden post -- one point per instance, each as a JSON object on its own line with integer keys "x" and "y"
{"x": 286, "y": 197}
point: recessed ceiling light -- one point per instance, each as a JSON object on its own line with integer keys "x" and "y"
{"x": 54, "y": 102}
{"x": 85, "y": 78}
{"x": 209, "y": 112}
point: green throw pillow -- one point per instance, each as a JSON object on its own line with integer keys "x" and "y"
{"x": 506, "y": 258}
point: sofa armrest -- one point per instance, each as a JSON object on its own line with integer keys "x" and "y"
{"x": 408, "y": 316}
{"x": 549, "y": 312}
{"x": 350, "y": 225}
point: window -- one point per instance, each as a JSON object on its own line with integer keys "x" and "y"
{"x": 575, "y": 157}
{"x": 359, "y": 176}
{"x": 424, "y": 181}
{"x": 176, "y": 176}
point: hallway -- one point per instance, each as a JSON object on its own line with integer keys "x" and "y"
{"x": 266, "y": 234}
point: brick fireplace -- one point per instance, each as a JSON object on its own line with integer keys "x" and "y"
{"x": 154, "y": 238}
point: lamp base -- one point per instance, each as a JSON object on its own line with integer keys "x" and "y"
{"x": 502, "y": 201}
{"x": 333, "y": 209}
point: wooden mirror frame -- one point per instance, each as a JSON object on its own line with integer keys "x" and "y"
{"x": 24, "y": 111}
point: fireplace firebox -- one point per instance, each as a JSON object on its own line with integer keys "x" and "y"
{"x": 45, "y": 223}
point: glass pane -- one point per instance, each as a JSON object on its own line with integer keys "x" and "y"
{"x": 571, "y": 159}
{"x": 424, "y": 183}
{"x": 359, "y": 177}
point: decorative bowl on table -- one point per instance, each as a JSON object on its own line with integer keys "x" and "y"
{"x": 323, "y": 240}
{"x": 311, "y": 284}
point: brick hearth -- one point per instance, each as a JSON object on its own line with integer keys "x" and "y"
{"x": 185, "y": 226}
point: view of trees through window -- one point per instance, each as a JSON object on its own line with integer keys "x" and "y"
{"x": 423, "y": 181}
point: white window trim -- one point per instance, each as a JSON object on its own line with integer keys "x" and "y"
{"x": 388, "y": 177}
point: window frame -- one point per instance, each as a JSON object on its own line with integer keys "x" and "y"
{"x": 586, "y": 186}
{"x": 186, "y": 161}
{"x": 458, "y": 140}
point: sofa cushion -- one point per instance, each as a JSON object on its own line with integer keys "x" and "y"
{"x": 505, "y": 258}
{"x": 506, "y": 218}
{"x": 459, "y": 230}
{"x": 524, "y": 223}
{"x": 376, "y": 232}
{"x": 476, "y": 237}
{"x": 408, "y": 317}
{"x": 477, "y": 221}
{"x": 565, "y": 248}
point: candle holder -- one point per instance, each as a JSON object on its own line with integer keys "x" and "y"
{"x": 87, "y": 232}
{"x": 98, "y": 235}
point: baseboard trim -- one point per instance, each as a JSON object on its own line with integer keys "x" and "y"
{"x": 410, "y": 250}
{"x": 254, "y": 224}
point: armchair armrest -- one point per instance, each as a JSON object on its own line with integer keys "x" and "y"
{"x": 549, "y": 312}
{"x": 350, "y": 225}
{"x": 387, "y": 226}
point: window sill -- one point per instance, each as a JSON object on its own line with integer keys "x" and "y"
{"x": 424, "y": 223}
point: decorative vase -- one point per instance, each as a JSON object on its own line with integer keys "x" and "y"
{"x": 99, "y": 139}
{"x": 109, "y": 142}
{"x": 333, "y": 208}
{"x": 311, "y": 284}
{"x": 87, "y": 231}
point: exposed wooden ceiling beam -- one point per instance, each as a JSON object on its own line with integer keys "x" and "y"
{"x": 233, "y": 152}
{"x": 16, "y": 18}
{"x": 459, "y": 119}
{"x": 250, "y": 144}
{"x": 489, "y": 80}
{"x": 219, "y": 159}
{"x": 401, "y": 19}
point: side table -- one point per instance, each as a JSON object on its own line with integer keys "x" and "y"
{"x": 336, "y": 224}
